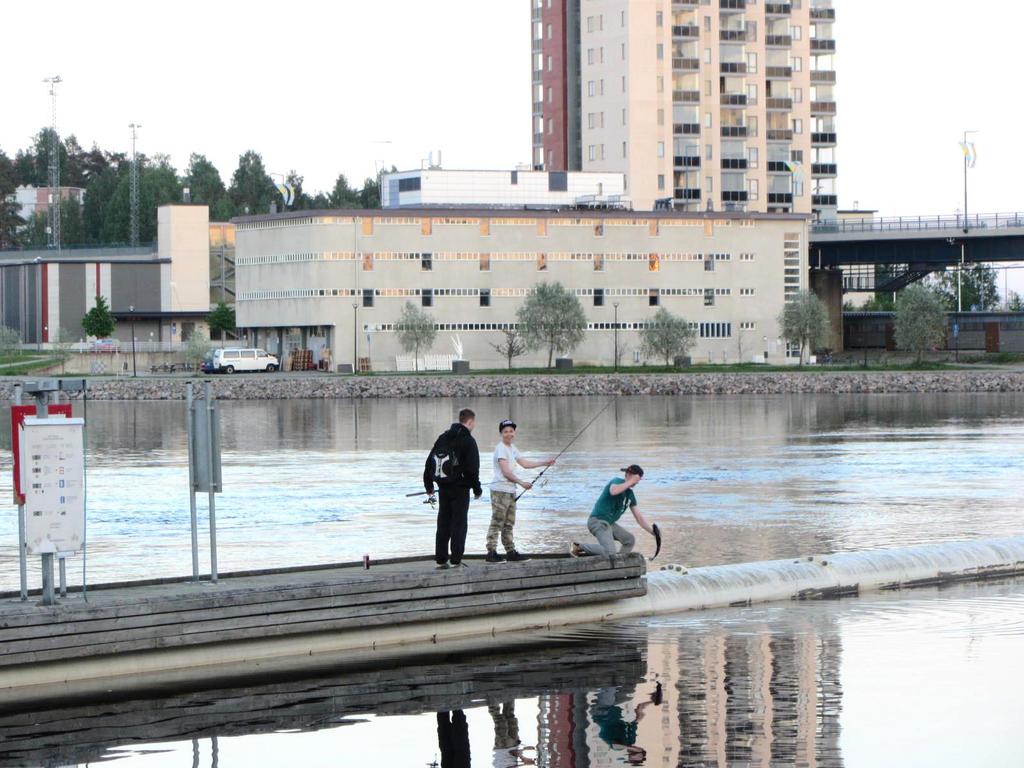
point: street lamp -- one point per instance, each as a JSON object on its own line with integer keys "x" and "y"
{"x": 355, "y": 336}
{"x": 616, "y": 363}
{"x": 131, "y": 315}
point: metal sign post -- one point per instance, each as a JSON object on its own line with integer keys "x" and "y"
{"x": 22, "y": 552}
{"x": 204, "y": 468}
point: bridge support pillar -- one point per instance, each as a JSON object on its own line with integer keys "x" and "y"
{"x": 827, "y": 285}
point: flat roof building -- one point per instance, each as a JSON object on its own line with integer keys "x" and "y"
{"x": 338, "y": 280}
{"x": 727, "y": 104}
{"x": 523, "y": 188}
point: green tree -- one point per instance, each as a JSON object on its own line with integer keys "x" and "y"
{"x": 369, "y": 195}
{"x": 512, "y": 347}
{"x": 879, "y": 302}
{"x": 196, "y": 348}
{"x": 1014, "y": 302}
{"x": 206, "y": 187}
{"x": 416, "y": 331}
{"x": 667, "y": 336}
{"x": 11, "y": 223}
{"x": 36, "y": 234}
{"x": 343, "y": 196}
{"x": 552, "y": 317}
{"x": 252, "y": 190}
{"x": 222, "y": 319}
{"x": 97, "y": 211}
{"x": 920, "y": 319}
{"x": 98, "y": 321}
{"x": 977, "y": 288}
{"x": 804, "y": 320}
{"x": 10, "y": 341}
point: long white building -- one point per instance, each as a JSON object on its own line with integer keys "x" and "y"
{"x": 338, "y": 280}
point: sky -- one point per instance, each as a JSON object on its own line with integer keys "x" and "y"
{"x": 344, "y": 87}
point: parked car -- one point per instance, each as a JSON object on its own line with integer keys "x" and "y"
{"x": 233, "y": 359}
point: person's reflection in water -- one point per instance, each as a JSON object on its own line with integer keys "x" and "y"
{"x": 453, "y": 739}
{"x": 614, "y": 728}
{"x": 508, "y": 751}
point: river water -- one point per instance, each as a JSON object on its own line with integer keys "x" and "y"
{"x": 926, "y": 678}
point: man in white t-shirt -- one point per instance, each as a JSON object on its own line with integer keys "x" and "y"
{"x": 503, "y": 494}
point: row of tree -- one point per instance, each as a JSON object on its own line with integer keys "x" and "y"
{"x": 974, "y": 289}
{"x": 105, "y": 177}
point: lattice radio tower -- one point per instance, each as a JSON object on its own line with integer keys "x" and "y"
{"x": 133, "y": 188}
{"x": 54, "y": 240}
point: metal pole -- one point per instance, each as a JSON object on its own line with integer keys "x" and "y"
{"x": 22, "y": 548}
{"x": 62, "y": 562}
{"x": 355, "y": 336}
{"x": 208, "y": 393}
{"x": 965, "y": 183}
{"x": 42, "y": 408}
{"x": 959, "y": 280}
{"x": 616, "y": 361}
{"x": 190, "y": 428}
{"x": 134, "y": 373}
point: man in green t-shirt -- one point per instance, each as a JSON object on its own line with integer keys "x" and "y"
{"x": 613, "y": 502}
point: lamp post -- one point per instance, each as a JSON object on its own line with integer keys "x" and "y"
{"x": 131, "y": 315}
{"x": 965, "y": 145}
{"x": 355, "y": 336}
{"x": 616, "y": 361}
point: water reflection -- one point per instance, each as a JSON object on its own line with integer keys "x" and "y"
{"x": 730, "y": 479}
{"x": 791, "y": 684}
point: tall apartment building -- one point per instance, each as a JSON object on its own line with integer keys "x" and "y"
{"x": 721, "y": 104}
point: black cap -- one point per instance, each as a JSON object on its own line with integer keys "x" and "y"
{"x": 633, "y": 469}
{"x": 506, "y": 423}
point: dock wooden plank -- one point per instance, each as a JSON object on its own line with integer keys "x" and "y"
{"x": 296, "y": 600}
{"x": 416, "y": 611}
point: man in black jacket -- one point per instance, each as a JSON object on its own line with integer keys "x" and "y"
{"x": 454, "y": 464}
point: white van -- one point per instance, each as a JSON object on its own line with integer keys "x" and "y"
{"x": 231, "y": 359}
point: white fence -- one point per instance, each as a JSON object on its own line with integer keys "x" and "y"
{"x": 425, "y": 363}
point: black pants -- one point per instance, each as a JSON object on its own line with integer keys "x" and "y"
{"x": 452, "y": 519}
{"x": 453, "y": 739}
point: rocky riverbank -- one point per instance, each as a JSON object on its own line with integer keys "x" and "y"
{"x": 285, "y": 387}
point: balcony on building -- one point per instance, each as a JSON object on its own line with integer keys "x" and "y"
{"x": 686, "y": 129}
{"x": 778, "y": 134}
{"x": 778, "y": 166}
{"x": 777, "y": 9}
{"x": 733, "y": 99}
{"x": 827, "y": 200}
{"x": 823, "y": 76}
{"x": 819, "y": 45}
{"x": 538, "y": 108}
{"x": 686, "y": 31}
{"x": 778, "y": 73}
{"x": 777, "y": 104}
{"x": 732, "y": 6}
{"x": 737, "y": 35}
{"x": 823, "y": 169}
{"x": 686, "y": 97}
{"x": 687, "y": 161}
{"x": 734, "y": 163}
{"x": 734, "y": 131}
{"x": 823, "y": 14}
{"x": 778, "y": 41}
{"x": 823, "y": 108}
{"x": 734, "y": 196}
{"x": 780, "y": 198}
{"x": 685, "y": 4}
{"x": 684, "y": 193}
{"x": 824, "y": 139}
{"x": 686, "y": 65}
{"x": 733, "y": 68}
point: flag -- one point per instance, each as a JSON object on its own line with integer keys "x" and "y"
{"x": 970, "y": 153}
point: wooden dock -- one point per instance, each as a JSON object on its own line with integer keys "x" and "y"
{"x": 125, "y": 620}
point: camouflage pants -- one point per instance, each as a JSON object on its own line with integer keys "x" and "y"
{"x": 503, "y": 517}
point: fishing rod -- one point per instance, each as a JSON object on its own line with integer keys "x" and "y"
{"x": 567, "y": 447}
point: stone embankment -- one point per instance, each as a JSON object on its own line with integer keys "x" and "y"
{"x": 291, "y": 387}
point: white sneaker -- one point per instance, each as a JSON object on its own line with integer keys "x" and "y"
{"x": 443, "y": 567}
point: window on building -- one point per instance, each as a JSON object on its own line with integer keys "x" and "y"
{"x": 542, "y": 262}
{"x": 485, "y": 262}
{"x": 624, "y": 149}
{"x": 660, "y": 51}
{"x": 599, "y": 262}
{"x": 427, "y": 297}
{"x": 652, "y": 297}
{"x": 590, "y": 56}
{"x": 426, "y": 262}
{"x": 661, "y": 181}
{"x": 558, "y": 181}
{"x": 798, "y": 125}
{"x": 707, "y": 23}
{"x": 798, "y": 95}
{"x": 661, "y": 117}
{"x": 752, "y": 189}
{"x": 752, "y": 63}
{"x": 367, "y": 297}
{"x": 709, "y": 263}
{"x": 592, "y": 152}
{"x": 599, "y": 230}
{"x": 485, "y": 297}
{"x": 798, "y": 64}
{"x": 367, "y": 262}
{"x": 623, "y": 115}
{"x": 653, "y": 263}
{"x": 591, "y": 88}
{"x": 797, "y": 155}
{"x": 661, "y": 149}
{"x": 752, "y": 158}
{"x": 599, "y": 297}
{"x": 659, "y": 19}
{"x": 709, "y": 295}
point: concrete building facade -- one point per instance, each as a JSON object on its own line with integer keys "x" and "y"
{"x": 164, "y": 289}
{"x": 338, "y": 280}
{"x": 720, "y": 104}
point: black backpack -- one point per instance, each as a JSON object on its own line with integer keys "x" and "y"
{"x": 444, "y": 462}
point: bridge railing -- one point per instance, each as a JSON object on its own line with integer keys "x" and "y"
{"x": 920, "y": 223}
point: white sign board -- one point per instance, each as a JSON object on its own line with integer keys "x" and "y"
{"x": 53, "y": 481}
